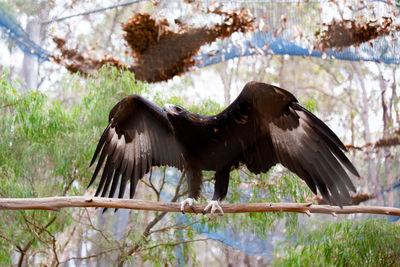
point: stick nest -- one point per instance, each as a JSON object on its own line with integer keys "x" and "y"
{"x": 340, "y": 34}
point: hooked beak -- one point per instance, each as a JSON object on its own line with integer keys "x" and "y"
{"x": 170, "y": 109}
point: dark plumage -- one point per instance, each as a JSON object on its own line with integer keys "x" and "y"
{"x": 264, "y": 126}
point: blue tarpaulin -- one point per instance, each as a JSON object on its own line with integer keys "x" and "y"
{"x": 20, "y": 37}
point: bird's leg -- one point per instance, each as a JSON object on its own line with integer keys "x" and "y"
{"x": 194, "y": 179}
{"x": 220, "y": 191}
{"x": 214, "y": 206}
{"x": 189, "y": 201}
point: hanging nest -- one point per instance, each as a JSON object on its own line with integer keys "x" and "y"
{"x": 142, "y": 32}
{"x": 387, "y": 141}
{"x": 160, "y": 53}
{"x": 340, "y": 34}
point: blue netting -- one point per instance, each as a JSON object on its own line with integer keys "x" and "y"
{"x": 395, "y": 188}
{"x": 20, "y": 37}
{"x": 267, "y": 44}
{"x": 248, "y": 242}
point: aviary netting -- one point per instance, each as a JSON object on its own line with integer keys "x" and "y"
{"x": 352, "y": 30}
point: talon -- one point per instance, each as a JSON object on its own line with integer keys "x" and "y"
{"x": 188, "y": 201}
{"x": 214, "y": 206}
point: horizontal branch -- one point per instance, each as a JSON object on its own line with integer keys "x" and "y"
{"x": 56, "y": 203}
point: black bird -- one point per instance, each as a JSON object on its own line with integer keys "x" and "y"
{"x": 264, "y": 126}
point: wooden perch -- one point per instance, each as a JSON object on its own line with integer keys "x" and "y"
{"x": 56, "y": 203}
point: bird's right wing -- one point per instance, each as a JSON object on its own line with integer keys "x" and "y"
{"x": 137, "y": 137}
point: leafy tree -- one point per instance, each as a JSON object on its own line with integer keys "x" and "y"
{"x": 371, "y": 242}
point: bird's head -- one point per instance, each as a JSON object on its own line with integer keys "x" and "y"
{"x": 180, "y": 118}
{"x": 174, "y": 110}
{"x": 186, "y": 125}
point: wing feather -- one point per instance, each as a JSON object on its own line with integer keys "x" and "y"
{"x": 98, "y": 166}
{"x": 128, "y": 171}
{"x": 305, "y": 147}
{"x": 106, "y": 171}
{"x": 334, "y": 166}
{"x": 335, "y": 145}
{"x": 137, "y": 137}
{"x": 100, "y": 145}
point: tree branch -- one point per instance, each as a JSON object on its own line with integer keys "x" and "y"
{"x": 56, "y": 203}
{"x": 173, "y": 244}
{"x": 90, "y": 256}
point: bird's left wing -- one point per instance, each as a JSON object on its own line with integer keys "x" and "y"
{"x": 273, "y": 128}
{"x": 137, "y": 137}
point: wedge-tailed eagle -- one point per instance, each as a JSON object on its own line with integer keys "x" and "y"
{"x": 264, "y": 126}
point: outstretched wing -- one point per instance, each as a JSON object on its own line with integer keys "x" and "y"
{"x": 274, "y": 128}
{"x": 137, "y": 137}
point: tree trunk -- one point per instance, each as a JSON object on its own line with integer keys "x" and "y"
{"x": 372, "y": 172}
{"x": 226, "y": 78}
{"x": 30, "y": 63}
{"x": 387, "y": 120}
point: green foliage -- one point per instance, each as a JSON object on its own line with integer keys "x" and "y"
{"x": 46, "y": 146}
{"x": 45, "y": 141}
{"x": 310, "y": 104}
{"x": 373, "y": 242}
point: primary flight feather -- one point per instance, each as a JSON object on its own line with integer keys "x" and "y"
{"x": 264, "y": 126}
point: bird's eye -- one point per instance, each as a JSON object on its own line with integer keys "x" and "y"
{"x": 178, "y": 108}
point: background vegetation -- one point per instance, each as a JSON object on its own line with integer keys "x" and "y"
{"x": 372, "y": 242}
